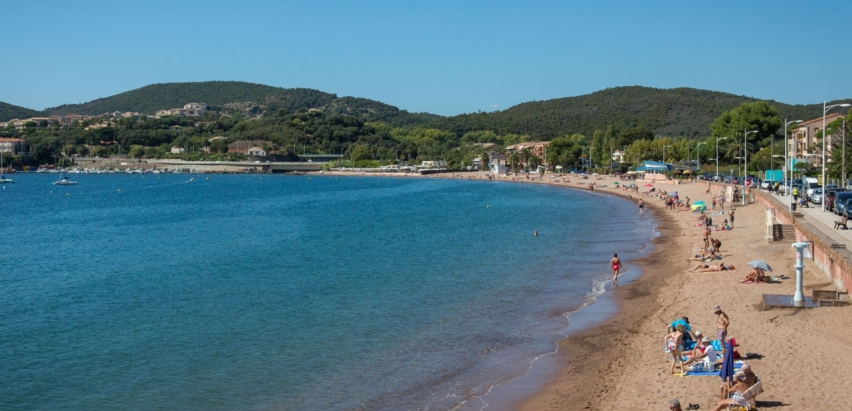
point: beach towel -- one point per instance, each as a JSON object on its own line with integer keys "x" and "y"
{"x": 715, "y": 373}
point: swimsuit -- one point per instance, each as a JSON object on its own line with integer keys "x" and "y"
{"x": 615, "y": 267}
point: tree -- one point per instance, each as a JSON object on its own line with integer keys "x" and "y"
{"x": 759, "y": 116}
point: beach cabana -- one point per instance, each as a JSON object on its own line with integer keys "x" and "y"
{"x": 653, "y": 167}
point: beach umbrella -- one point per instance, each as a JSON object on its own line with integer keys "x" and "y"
{"x": 727, "y": 370}
{"x": 760, "y": 265}
{"x": 616, "y": 182}
{"x": 699, "y": 202}
{"x": 701, "y": 207}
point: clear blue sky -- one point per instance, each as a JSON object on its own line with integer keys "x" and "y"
{"x": 443, "y": 57}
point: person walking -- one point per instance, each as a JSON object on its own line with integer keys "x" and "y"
{"x": 641, "y": 206}
{"x": 616, "y": 265}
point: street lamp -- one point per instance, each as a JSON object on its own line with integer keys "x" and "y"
{"x": 664, "y": 161}
{"x": 825, "y": 137}
{"x": 717, "y": 154}
{"x": 697, "y": 155}
{"x": 786, "y": 164}
{"x": 745, "y": 159}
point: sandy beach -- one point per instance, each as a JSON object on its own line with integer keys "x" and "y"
{"x": 621, "y": 364}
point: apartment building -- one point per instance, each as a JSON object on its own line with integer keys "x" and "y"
{"x": 804, "y": 138}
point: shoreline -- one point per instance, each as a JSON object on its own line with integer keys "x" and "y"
{"x": 620, "y": 362}
{"x": 543, "y": 385}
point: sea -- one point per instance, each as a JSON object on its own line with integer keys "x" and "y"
{"x": 280, "y": 292}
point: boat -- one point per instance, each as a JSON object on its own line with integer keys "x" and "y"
{"x": 63, "y": 179}
{"x": 3, "y": 179}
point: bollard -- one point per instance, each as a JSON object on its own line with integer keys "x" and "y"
{"x": 799, "y": 297}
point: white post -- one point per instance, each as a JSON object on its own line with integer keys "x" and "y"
{"x": 799, "y": 297}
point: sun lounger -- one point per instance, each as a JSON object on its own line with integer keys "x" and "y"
{"x": 749, "y": 396}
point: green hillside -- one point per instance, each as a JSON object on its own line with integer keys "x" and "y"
{"x": 682, "y": 112}
{"x": 9, "y": 112}
{"x": 231, "y": 97}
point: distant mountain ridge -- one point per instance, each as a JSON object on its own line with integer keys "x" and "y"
{"x": 683, "y": 112}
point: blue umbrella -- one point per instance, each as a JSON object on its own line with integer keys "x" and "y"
{"x": 727, "y": 371}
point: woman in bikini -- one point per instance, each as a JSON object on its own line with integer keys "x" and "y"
{"x": 710, "y": 268}
{"x": 674, "y": 343}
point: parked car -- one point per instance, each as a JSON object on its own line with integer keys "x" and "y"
{"x": 846, "y": 204}
{"x": 816, "y": 197}
{"x": 829, "y": 197}
{"x": 840, "y": 201}
{"x": 810, "y": 188}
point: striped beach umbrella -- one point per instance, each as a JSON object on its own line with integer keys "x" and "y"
{"x": 760, "y": 265}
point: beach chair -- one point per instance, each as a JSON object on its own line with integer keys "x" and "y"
{"x": 841, "y": 223}
{"x": 749, "y": 395}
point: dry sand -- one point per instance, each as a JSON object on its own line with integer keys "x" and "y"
{"x": 807, "y": 361}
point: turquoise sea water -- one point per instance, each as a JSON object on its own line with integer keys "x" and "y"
{"x": 269, "y": 292}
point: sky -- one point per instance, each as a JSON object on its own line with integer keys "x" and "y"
{"x": 441, "y": 57}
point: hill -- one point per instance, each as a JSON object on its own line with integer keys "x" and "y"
{"x": 674, "y": 112}
{"x": 9, "y": 111}
{"x": 683, "y": 112}
{"x": 231, "y": 97}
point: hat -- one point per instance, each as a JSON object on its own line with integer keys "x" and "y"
{"x": 716, "y": 308}
{"x": 706, "y": 339}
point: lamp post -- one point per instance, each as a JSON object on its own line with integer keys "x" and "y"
{"x": 745, "y": 160}
{"x": 717, "y": 155}
{"x": 825, "y": 137}
{"x": 697, "y": 155}
{"x": 664, "y": 161}
{"x": 786, "y": 164}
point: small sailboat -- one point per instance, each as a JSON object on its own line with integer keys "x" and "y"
{"x": 63, "y": 179}
{"x": 3, "y": 179}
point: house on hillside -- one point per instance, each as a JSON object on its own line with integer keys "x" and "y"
{"x": 12, "y": 145}
{"x": 256, "y": 152}
{"x": 178, "y": 150}
{"x": 244, "y": 146}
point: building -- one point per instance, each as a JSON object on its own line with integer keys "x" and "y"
{"x": 804, "y": 140}
{"x": 189, "y": 110}
{"x": 178, "y": 150}
{"x": 244, "y": 146}
{"x": 12, "y": 145}
{"x": 618, "y": 156}
{"x": 536, "y": 148}
{"x": 256, "y": 152}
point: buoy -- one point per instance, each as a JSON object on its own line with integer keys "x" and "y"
{"x": 488, "y": 206}
{"x": 67, "y": 194}
{"x": 535, "y": 233}
{"x": 119, "y": 190}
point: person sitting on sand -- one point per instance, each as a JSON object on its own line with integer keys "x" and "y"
{"x": 755, "y": 276}
{"x": 674, "y": 343}
{"x": 705, "y": 352}
{"x": 736, "y": 391}
{"x": 674, "y": 405}
{"x": 710, "y": 268}
{"x": 750, "y": 380}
